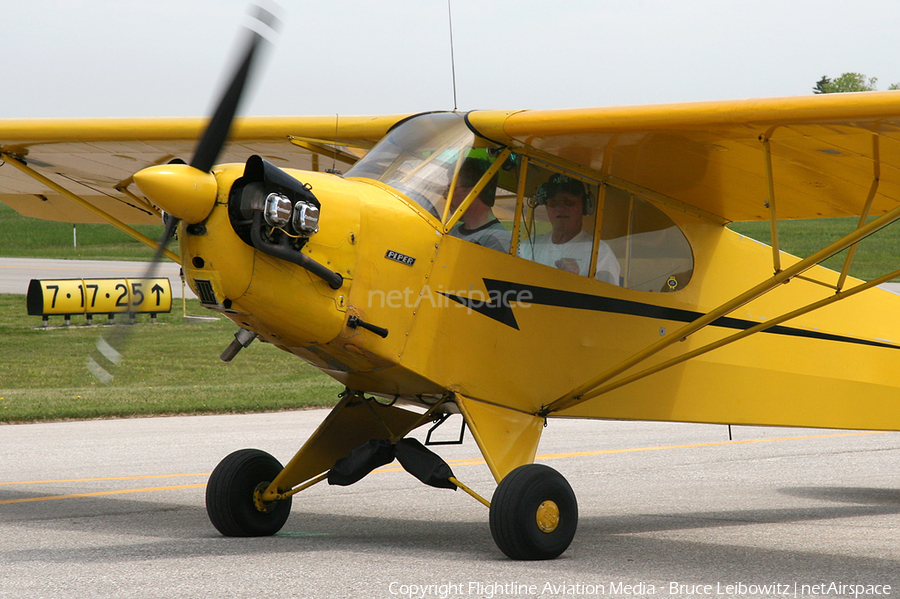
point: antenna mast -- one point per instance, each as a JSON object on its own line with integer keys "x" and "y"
{"x": 452, "y": 57}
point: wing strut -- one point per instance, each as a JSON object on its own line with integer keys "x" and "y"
{"x": 326, "y": 149}
{"x": 123, "y": 189}
{"x": 19, "y": 164}
{"x": 873, "y": 189}
{"x": 773, "y": 218}
{"x": 594, "y": 387}
{"x": 841, "y": 295}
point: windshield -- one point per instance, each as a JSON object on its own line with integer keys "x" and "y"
{"x": 421, "y": 157}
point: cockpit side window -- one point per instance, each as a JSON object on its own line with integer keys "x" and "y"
{"x": 654, "y": 253}
{"x": 481, "y": 207}
{"x": 573, "y": 223}
{"x": 559, "y": 222}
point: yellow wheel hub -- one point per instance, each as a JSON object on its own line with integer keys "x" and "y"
{"x": 261, "y": 505}
{"x": 547, "y": 516}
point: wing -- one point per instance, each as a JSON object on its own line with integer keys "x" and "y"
{"x": 94, "y": 159}
{"x": 826, "y": 151}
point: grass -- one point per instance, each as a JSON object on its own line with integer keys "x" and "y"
{"x": 24, "y": 237}
{"x": 171, "y": 367}
{"x": 877, "y": 255}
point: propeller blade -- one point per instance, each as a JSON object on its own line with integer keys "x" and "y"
{"x": 110, "y": 347}
{"x": 109, "y": 350}
{"x": 210, "y": 145}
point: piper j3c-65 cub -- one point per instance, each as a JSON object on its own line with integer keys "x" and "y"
{"x": 460, "y": 250}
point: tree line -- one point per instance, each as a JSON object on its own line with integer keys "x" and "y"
{"x": 848, "y": 82}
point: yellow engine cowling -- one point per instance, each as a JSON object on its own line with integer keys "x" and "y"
{"x": 283, "y": 302}
{"x": 381, "y": 249}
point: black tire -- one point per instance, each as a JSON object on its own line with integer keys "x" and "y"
{"x": 514, "y": 513}
{"x": 229, "y": 495}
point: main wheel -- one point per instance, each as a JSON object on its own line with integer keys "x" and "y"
{"x": 533, "y": 513}
{"x": 231, "y": 501}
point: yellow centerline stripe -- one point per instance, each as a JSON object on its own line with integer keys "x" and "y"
{"x": 457, "y": 462}
{"x": 98, "y": 494}
{"x": 85, "y": 480}
{"x": 576, "y": 454}
{"x": 75, "y": 268}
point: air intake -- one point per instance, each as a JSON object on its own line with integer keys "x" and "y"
{"x": 206, "y": 293}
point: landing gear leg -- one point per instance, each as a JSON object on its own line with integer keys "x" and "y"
{"x": 234, "y": 495}
{"x": 533, "y": 513}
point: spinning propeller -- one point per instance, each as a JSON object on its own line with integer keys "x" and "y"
{"x": 188, "y": 191}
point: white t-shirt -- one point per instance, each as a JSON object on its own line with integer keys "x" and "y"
{"x": 542, "y": 249}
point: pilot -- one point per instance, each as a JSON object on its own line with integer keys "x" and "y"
{"x": 568, "y": 246}
{"x": 478, "y": 223}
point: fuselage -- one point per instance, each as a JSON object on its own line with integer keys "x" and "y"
{"x": 502, "y": 329}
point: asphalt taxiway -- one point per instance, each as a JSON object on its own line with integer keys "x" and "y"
{"x": 16, "y": 273}
{"x": 116, "y": 509}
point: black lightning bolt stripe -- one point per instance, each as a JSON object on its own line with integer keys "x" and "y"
{"x": 500, "y": 310}
{"x": 501, "y": 293}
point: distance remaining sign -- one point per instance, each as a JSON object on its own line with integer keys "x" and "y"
{"x": 99, "y": 296}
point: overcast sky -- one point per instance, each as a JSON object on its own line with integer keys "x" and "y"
{"x": 81, "y": 58}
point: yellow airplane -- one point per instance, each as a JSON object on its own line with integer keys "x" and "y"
{"x": 508, "y": 266}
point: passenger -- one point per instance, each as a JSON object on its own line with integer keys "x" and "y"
{"x": 568, "y": 246}
{"x": 478, "y": 223}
